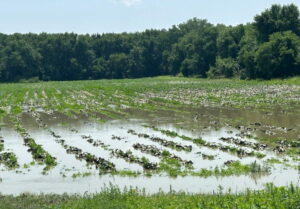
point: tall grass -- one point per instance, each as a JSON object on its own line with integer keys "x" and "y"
{"x": 113, "y": 198}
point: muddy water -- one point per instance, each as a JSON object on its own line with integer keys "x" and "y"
{"x": 208, "y": 123}
{"x": 277, "y": 123}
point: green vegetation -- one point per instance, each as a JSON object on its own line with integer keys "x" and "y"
{"x": 172, "y": 167}
{"x": 160, "y": 102}
{"x": 266, "y": 48}
{"x": 37, "y": 151}
{"x": 69, "y": 97}
{"x": 271, "y": 197}
{"x": 201, "y": 142}
{"x": 84, "y": 174}
{"x": 233, "y": 168}
{"x": 128, "y": 173}
{"x": 1, "y": 144}
{"x": 274, "y": 161}
{"x": 119, "y": 97}
{"x": 9, "y": 160}
{"x": 182, "y": 57}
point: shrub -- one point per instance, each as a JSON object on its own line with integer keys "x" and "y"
{"x": 224, "y": 68}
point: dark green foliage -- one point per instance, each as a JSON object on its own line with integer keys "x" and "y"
{"x": 190, "y": 49}
{"x": 246, "y": 58}
{"x": 99, "y": 69}
{"x": 279, "y": 57}
{"x": 19, "y": 59}
{"x": 228, "y": 41}
{"x": 196, "y": 50}
{"x": 117, "y": 65}
{"x": 224, "y": 68}
{"x": 278, "y": 19}
{"x": 9, "y": 159}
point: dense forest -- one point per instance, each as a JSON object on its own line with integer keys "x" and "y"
{"x": 267, "y": 48}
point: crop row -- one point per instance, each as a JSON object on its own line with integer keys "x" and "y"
{"x": 170, "y": 163}
{"x": 103, "y": 165}
{"x": 153, "y": 150}
{"x": 36, "y": 150}
{"x": 163, "y": 142}
{"x": 225, "y": 148}
{"x": 127, "y": 156}
{"x": 9, "y": 159}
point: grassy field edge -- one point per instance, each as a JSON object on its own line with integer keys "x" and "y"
{"x": 113, "y": 197}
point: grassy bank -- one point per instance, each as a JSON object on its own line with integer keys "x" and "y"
{"x": 270, "y": 197}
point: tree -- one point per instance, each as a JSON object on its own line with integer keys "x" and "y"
{"x": 190, "y": 65}
{"x": 224, "y": 68}
{"x": 99, "y": 69}
{"x": 228, "y": 41}
{"x": 195, "y": 51}
{"x": 136, "y": 67}
{"x": 172, "y": 60}
{"x": 193, "y": 48}
{"x": 81, "y": 63}
{"x": 246, "y": 56}
{"x": 280, "y": 56}
{"x": 277, "y": 19}
{"x": 19, "y": 60}
{"x": 118, "y": 65}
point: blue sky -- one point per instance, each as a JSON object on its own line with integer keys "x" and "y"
{"x": 102, "y": 16}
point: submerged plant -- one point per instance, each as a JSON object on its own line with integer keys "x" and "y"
{"x": 9, "y": 159}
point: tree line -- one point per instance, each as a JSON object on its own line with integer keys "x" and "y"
{"x": 269, "y": 47}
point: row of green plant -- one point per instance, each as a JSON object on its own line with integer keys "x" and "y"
{"x": 66, "y": 96}
{"x": 174, "y": 166}
{"x": 235, "y": 168}
{"x": 270, "y": 197}
{"x": 169, "y": 164}
{"x": 143, "y": 94}
{"x": 163, "y": 142}
{"x": 37, "y": 151}
{"x": 200, "y": 142}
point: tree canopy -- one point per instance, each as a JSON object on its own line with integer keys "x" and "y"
{"x": 267, "y": 48}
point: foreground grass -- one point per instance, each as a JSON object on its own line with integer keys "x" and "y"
{"x": 112, "y": 197}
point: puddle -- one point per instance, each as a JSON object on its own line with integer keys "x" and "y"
{"x": 114, "y": 134}
{"x": 37, "y": 184}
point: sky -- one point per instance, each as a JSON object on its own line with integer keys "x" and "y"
{"x": 106, "y": 16}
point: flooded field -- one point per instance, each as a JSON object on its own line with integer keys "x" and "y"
{"x": 164, "y": 134}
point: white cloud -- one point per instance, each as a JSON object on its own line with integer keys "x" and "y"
{"x": 130, "y": 2}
